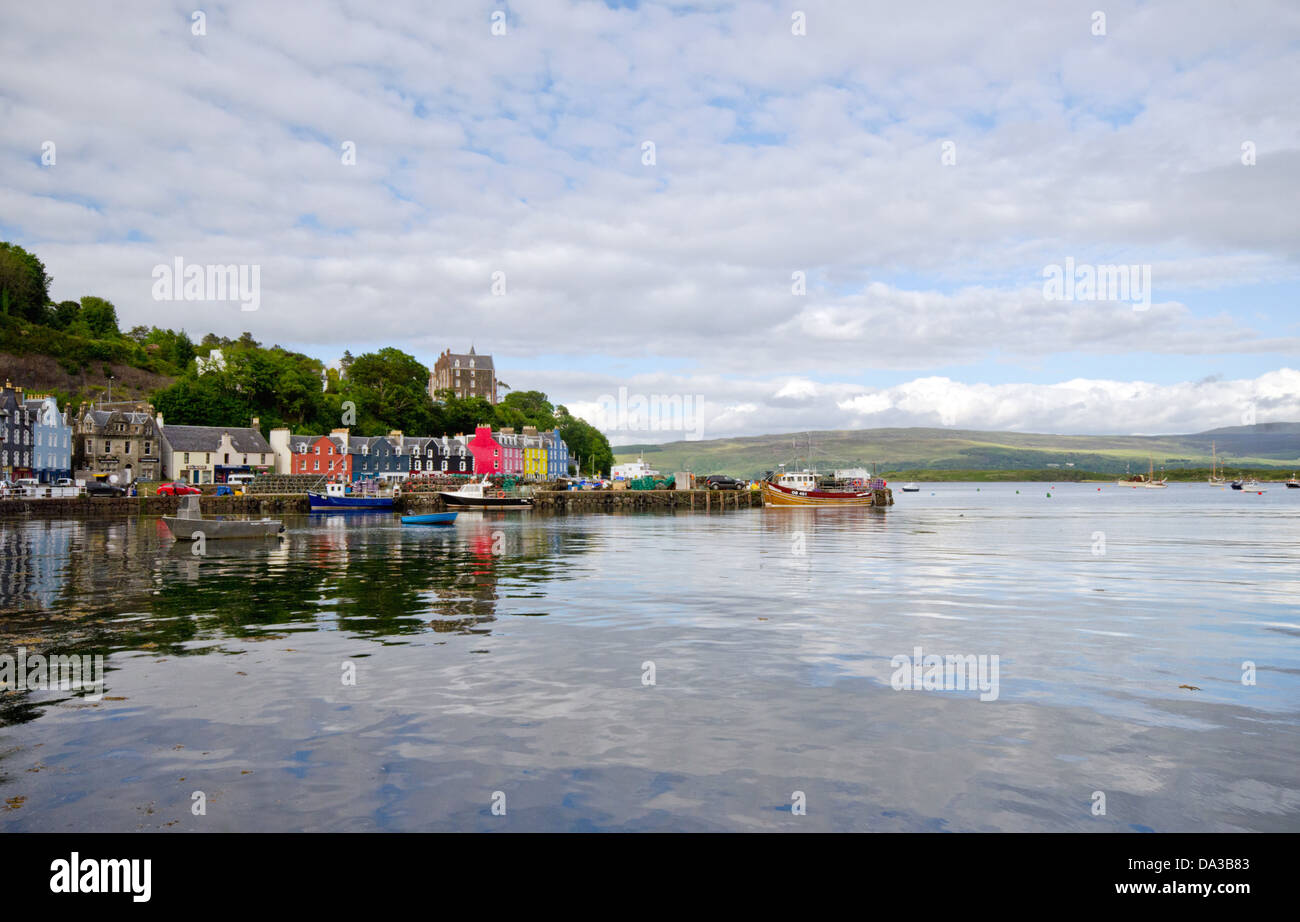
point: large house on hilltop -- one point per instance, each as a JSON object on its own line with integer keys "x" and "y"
{"x": 467, "y": 375}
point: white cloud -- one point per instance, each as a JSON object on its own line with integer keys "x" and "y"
{"x": 821, "y": 154}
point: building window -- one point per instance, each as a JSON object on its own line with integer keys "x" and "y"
{"x": 317, "y": 466}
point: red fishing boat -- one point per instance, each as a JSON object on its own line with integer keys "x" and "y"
{"x": 806, "y": 488}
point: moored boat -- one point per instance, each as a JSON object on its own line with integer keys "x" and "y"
{"x": 337, "y": 499}
{"x": 911, "y": 488}
{"x": 481, "y": 493}
{"x": 804, "y": 488}
{"x": 431, "y": 518}
{"x": 1215, "y": 478}
{"x": 189, "y": 525}
{"x": 1144, "y": 482}
{"x": 1293, "y": 483}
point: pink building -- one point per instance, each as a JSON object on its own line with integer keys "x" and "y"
{"x": 512, "y": 451}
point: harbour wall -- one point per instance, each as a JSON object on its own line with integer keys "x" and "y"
{"x": 271, "y": 504}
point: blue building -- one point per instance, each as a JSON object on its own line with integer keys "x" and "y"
{"x": 377, "y": 455}
{"x": 557, "y": 457}
{"x": 51, "y": 440}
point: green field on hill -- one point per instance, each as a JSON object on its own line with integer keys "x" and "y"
{"x": 1267, "y": 449}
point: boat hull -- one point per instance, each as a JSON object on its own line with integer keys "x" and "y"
{"x": 322, "y": 503}
{"x": 184, "y": 529}
{"x": 487, "y": 502}
{"x": 775, "y": 495}
{"x": 432, "y": 518}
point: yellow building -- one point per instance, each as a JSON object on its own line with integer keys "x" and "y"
{"x": 535, "y": 454}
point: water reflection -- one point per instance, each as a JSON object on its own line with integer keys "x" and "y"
{"x": 129, "y": 586}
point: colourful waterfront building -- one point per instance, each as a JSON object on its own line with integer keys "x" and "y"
{"x": 211, "y": 454}
{"x": 488, "y": 452}
{"x": 376, "y": 456}
{"x": 16, "y": 424}
{"x": 512, "y": 453}
{"x": 326, "y": 455}
{"x": 52, "y": 439}
{"x": 557, "y": 455}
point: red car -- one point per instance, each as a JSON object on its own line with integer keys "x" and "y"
{"x": 177, "y": 489}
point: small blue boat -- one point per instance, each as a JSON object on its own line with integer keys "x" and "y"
{"x": 432, "y": 518}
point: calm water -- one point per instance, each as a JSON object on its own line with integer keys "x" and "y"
{"x": 506, "y": 655}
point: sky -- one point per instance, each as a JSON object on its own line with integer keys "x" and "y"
{"x": 777, "y": 216}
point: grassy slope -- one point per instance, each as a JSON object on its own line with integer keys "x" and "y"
{"x": 1273, "y": 445}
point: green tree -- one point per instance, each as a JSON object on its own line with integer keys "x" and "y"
{"x": 24, "y": 285}
{"x": 531, "y": 406}
{"x": 388, "y": 388}
{"x": 204, "y": 401}
{"x": 100, "y": 317}
{"x": 64, "y": 314}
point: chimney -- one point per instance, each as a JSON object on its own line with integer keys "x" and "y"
{"x": 159, "y": 420}
{"x": 257, "y": 423}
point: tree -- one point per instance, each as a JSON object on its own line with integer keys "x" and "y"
{"x": 530, "y": 406}
{"x": 585, "y": 441}
{"x": 202, "y": 402}
{"x": 24, "y": 285}
{"x": 64, "y": 314}
{"x": 388, "y": 388}
{"x": 100, "y": 317}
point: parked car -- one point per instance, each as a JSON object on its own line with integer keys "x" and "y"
{"x": 177, "y": 489}
{"x": 722, "y": 482}
{"x": 65, "y": 482}
{"x": 104, "y": 488}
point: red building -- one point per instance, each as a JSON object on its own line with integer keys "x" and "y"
{"x": 326, "y": 455}
{"x": 487, "y": 452}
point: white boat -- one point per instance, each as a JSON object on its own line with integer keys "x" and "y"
{"x": 188, "y": 524}
{"x": 1215, "y": 479}
{"x": 911, "y": 488}
{"x": 482, "y": 493}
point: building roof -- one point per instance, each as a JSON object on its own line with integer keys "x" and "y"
{"x": 100, "y": 418}
{"x": 302, "y": 441}
{"x": 208, "y": 438}
{"x": 481, "y": 362}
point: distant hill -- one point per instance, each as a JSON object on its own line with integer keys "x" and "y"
{"x": 1265, "y": 445}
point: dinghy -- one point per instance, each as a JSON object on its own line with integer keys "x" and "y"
{"x": 431, "y": 518}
